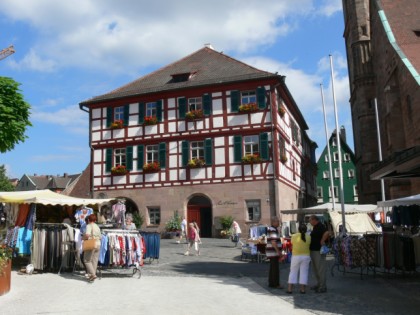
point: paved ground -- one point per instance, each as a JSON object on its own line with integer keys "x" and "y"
{"x": 216, "y": 282}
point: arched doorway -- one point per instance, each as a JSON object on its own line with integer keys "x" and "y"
{"x": 199, "y": 209}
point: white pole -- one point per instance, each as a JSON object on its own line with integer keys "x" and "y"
{"x": 379, "y": 146}
{"x": 337, "y": 129}
{"x": 328, "y": 148}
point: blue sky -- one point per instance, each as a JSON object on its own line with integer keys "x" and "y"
{"x": 70, "y": 51}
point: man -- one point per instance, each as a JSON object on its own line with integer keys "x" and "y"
{"x": 319, "y": 236}
{"x": 273, "y": 252}
{"x": 183, "y": 230}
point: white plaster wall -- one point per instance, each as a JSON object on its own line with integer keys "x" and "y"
{"x": 134, "y": 108}
{"x": 219, "y": 156}
{"x": 217, "y": 122}
{"x": 97, "y": 155}
{"x": 171, "y": 102}
{"x": 96, "y": 125}
{"x": 119, "y": 180}
{"x": 150, "y": 130}
{"x": 172, "y": 127}
{"x": 238, "y": 120}
{"x": 235, "y": 171}
{"x": 217, "y": 107}
{"x": 96, "y": 136}
{"x": 256, "y": 117}
{"x": 220, "y": 172}
{"x": 97, "y": 182}
{"x": 152, "y": 177}
{"x": 171, "y": 114}
{"x": 135, "y": 132}
{"x": 97, "y": 170}
{"x": 173, "y": 175}
{"x": 181, "y": 126}
{"x": 106, "y": 135}
{"x": 172, "y": 161}
{"x": 216, "y": 94}
{"x": 198, "y": 173}
{"x": 96, "y": 113}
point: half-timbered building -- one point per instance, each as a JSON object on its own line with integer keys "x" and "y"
{"x": 205, "y": 136}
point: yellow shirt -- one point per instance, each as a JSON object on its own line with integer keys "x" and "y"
{"x": 300, "y": 248}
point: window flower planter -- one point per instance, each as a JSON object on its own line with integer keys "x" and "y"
{"x": 150, "y": 120}
{"x": 248, "y": 108}
{"x": 196, "y": 163}
{"x": 283, "y": 158}
{"x": 119, "y": 170}
{"x": 251, "y": 158}
{"x": 151, "y": 167}
{"x": 194, "y": 114}
{"x": 282, "y": 111}
{"x": 117, "y": 124}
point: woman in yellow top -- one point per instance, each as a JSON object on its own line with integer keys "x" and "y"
{"x": 300, "y": 259}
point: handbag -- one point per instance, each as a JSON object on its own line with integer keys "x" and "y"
{"x": 324, "y": 250}
{"x": 234, "y": 238}
{"x": 89, "y": 245}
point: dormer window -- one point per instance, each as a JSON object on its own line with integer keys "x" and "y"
{"x": 181, "y": 77}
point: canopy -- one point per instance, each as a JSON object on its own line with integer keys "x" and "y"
{"x": 356, "y": 223}
{"x": 406, "y": 201}
{"x": 328, "y": 207}
{"x": 47, "y": 197}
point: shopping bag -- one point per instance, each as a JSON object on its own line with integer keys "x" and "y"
{"x": 89, "y": 245}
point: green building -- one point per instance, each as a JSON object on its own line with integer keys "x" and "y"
{"x": 349, "y": 172}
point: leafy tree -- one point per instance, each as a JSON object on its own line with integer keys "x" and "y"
{"x": 174, "y": 223}
{"x": 14, "y": 115}
{"x": 5, "y": 185}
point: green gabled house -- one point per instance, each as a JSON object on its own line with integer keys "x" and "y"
{"x": 349, "y": 172}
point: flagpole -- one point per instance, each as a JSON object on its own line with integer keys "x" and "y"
{"x": 337, "y": 129}
{"x": 328, "y": 148}
{"x": 379, "y": 146}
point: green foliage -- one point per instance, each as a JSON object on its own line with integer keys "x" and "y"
{"x": 5, "y": 185}
{"x": 138, "y": 219}
{"x": 226, "y": 222}
{"x": 174, "y": 223}
{"x": 14, "y": 115}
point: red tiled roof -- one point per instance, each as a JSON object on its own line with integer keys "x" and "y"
{"x": 206, "y": 65}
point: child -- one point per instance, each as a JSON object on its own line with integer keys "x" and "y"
{"x": 192, "y": 240}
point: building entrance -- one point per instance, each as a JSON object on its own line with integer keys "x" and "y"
{"x": 199, "y": 209}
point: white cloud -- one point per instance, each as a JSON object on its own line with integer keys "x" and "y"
{"x": 329, "y": 7}
{"x": 52, "y": 157}
{"x": 33, "y": 61}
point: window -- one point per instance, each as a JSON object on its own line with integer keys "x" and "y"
{"x": 154, "y": 215}
{"x": 119, "y": 157}
{"x": 335, "y": 192}
{"x": 326, "y": 158}
{"x": 151, "y": 109}
{"x": 346, "y": 157}
{"x": 319, "y": 193}
{"x": 152, "y": 153}
{"x": 336, "y": 156}
{"x": 253, "y": 208}
{"x": 282, "y": 147}
{"x": 195, "y": 103}
{"x": 197, "y": 150}
{"x": 326, "y": 175}
{"x": 251, "y": 144}
{"x": 119, "y": 113}
{"x": 334, "y": 141}
{"x": 351, "y": 173}
{"x": 248, "y": 97}
{"x": 336, "y": 172}
{"x": 355, "y": 191}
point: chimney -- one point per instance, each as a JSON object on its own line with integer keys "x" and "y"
{"x": 65, "y": 175}
{"x": 208, "y": 45}
{"x": 343, "y": 134}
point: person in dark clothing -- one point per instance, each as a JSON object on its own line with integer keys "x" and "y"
{"x": 273, "y": 252}
{"x": 319, "y": 236}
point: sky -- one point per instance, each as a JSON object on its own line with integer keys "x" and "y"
{"x": 70, "y": 51}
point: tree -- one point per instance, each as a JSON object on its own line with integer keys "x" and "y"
{"x": 5, "y": 184}
{"x": 14, "y": 115}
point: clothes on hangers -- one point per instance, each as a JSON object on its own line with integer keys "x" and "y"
{"x": 81, "y": 215}
{"x": 118, "y": 213}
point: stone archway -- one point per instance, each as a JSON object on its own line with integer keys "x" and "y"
{"x": 199, "y": 209}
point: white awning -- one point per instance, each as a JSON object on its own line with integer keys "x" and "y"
{"x": 405, "y": 201}
{"x": 328, "y": 207}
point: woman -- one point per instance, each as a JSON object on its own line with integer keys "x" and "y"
{"x": 192, "y": 240}
{"x": 129, "y": 225}
{"x": 236, "y": 230}
{"x": 91, "y": 256}
{"x": 197, "y": 229}
{"x": 301, "y": 259}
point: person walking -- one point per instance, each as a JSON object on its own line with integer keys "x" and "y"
{"x": 192, "y": 240}
{"x": 183, "y": 230}
{"x": 198, "y": 231}
{"x": 273, "y": 252}
{"x": 91, "y": 257}
{"x": 299, "y": 266}
{"x": 236, "y": 230}
{"x": 319, "y": 236}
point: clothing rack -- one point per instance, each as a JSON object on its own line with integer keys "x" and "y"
{"x": 120, "y": 231}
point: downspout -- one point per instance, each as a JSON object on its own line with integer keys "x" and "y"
{"x": 90, "y": 146}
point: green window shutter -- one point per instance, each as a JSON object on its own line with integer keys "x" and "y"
{"x": 126, "y": 114}
{"x": 264, "y": 145}
{"x": 261, "y": 98}
{"x": 208, "y": 151}
{"x": 234, "y": 101}
{"x": 185, "y": 152}
{"x": 182, "y": 107}
{"x": 237, "y": 148}
{"x": 207, "y": 104}
{"x": 129, "y": 153}
{"x": 162, "y": 154}
{"x": 108, "y": 160}
{"x": 141, "y": 113}
{"x": 109, "y": 116}
{"x": 159, "y": 110}
{"x": 140, "y": 157}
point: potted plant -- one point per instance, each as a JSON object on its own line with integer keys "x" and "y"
{"x": 173, "y": 226}
{"x": 196, "y": 163}
{"x": 117, "y": 124}
{"x": 151, "y": 167}
{"x": 226, "y": 222}
{"x": 194, "y": 114}
{"x": 150, "y": 120}
{"x": 251, "y": 158}
{"x": 6, "y": 254}
{"x": 282, "y": 110}
{"x": 119, "y": 170}
{"x": 283, "y": 158}
{"x": 248, "y": 108}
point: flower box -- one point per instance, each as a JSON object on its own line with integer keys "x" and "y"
{"x": 248, "y": 108}
{"x": 251, "y": 158}
{"x": 151, "y": 167}
{"x": 150, "y": 120}
{"x": 117, "y": 124}
{"x": 119, "y": 170}
{"x": 282, "y": 111}
{"x": 196, "y": 163}
{"x": 194, "y": 114}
